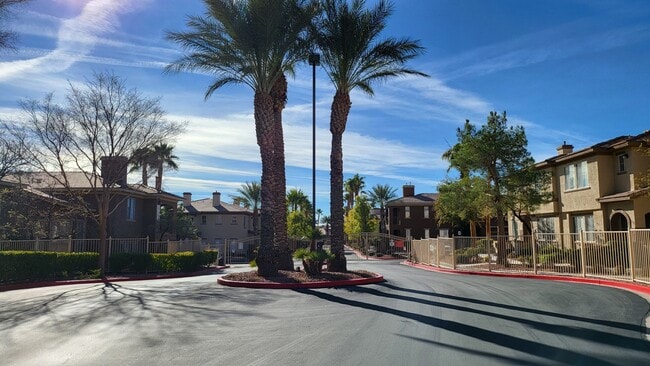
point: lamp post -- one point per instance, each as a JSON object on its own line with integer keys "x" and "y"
{"x": 314, "y": 60}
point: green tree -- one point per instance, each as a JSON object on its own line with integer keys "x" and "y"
{"x": 358, "y": 220}
{"x": 462, "y": 200}
{"x": 250, "y": 197}
{"x": 162, "y": 158}
{"x": 379, "y": 195}
{"x": 182, "y": 224}
{"x": 498, "y": 154}
{"x": 298, "y": 201}
{"x": 353, "y": 187}
{"x": 299, "y": 224}
{"x": 254, "y": 43}
{"x": 142, "y": 160}
{"x": 355, "y": 57}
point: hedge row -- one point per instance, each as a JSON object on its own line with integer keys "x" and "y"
{"x": 21, "y": 266}
{"x": 24, "y": 266}
{"x": 177, "y": 262}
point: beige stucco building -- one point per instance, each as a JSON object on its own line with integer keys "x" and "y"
{"x": 218, "y": 221}
{"x": 596, "y": 188}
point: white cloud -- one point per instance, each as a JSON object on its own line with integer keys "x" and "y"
{"x": 76, "y": 37}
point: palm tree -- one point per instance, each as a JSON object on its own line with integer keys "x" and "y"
{"x": 354, "y": 57}
{"x": 319, "y": 212}
{"x": 354, "y": 186}
{"x": 379, "y": 195}
{"x": 298, "y": 201}
{"x": 142, "y": 160}
{"x": 253, "y": 43}
{"x": 162, "y": 158}
{"x": 327, "y": 220}
{"x": 250, "y": 197}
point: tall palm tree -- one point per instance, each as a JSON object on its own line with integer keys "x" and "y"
{"x": 253, "y": 43}
{"x": 319, "y": 213}
{"x": 355, "y": 57}
{"x": 379, "y": 195}
{"x": 297, "y": 200}
{"x": 327, "y": 220}
{"x": 142, "y": 160}
{"x": 250, "y": 197}
{"x": 162, "y": 158}
{"x": 354, "y": 186}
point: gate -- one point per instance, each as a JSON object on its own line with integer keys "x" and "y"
{"x": 379, "y": 245}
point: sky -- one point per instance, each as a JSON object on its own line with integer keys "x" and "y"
{"x": 566, "y": 70}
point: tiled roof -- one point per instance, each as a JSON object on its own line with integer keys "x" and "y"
{"x": 41, "y": 181}
{"x": 624, "y": 196}
{"x": 422, "y": 199}
{"x": 205, "y": 206}
{"x": 601, "y": 147}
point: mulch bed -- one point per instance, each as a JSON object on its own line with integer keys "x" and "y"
{"x": 298, "y": 277}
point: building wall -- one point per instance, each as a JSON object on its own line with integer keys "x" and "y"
{"x": 417, "y": 223}
{"x": 220, "y": 226}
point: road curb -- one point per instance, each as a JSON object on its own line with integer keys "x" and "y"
{"x": 321, "y": 284}
{"x": 592, "y": 281}
{"x": 28, "y": 285}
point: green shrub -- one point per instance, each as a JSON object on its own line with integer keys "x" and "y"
{"x": 21, "y": 266}
{"x": 130, "y": 262}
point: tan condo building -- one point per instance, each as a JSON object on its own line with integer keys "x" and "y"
{"x": 595, "y": 189}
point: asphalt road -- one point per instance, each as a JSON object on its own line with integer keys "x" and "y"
{"x": 415, "y": 318}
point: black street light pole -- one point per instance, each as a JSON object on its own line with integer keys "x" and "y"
{"x": 314, "y": 60}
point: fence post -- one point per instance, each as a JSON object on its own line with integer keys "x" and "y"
{"x": 583, "y": 254}
{"x": 630, "y": 251}
{"x": 147, "y": 244}
{"x": 534, "y": 244}
{"x": 109, "y": 246}
{"x": 69, "y": 243}
{"x": 438, "y": 252}
{"x": 453, "y": 254}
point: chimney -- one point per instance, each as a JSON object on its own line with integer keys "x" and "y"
{"x": 216, "y": 199}
{"x": 564, "y": 149}
{"x": 187, "y": 199}
{"x": 114, "y": 169}
{"x": 408, "y": 190}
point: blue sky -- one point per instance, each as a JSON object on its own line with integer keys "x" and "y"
{"x": 575, "y": 71}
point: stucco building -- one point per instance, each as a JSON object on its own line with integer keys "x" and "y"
{"x": 412, "y": 215}
{"x": 218, "y": 221}
{"x": 596, "y": 188}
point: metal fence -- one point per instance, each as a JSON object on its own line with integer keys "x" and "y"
{"x": 231, "y": 250}
{"x": 115, "y": 245}
{"x": 617, "y": 255}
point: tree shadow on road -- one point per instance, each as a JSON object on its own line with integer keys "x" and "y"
{"x": 544, "y": 351}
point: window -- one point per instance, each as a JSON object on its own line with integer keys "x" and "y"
{"x": 218, "y": 220}
{"x": 204, "y": 220}
{"x": 584, "y": 223}
{"x": 515, "y": 227}
{"x": 620, "y": 166}
{"x": 575, "y": 176}
{"x": 408, "y": 232}
{"x": 130, "y": 209}
{"x": 426, "y": 231}
{"x": 233, "y": 220}
{"x": 546, "y": 225}
{"x": 426, "y": 213}
{"x": 407, "y": 212}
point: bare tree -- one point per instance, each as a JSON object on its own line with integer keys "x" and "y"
{"x": 101, "y": 123}
{"x": 12, "y": 154}
{"x": 7, "y": 37}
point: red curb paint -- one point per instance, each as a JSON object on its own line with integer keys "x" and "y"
{"x": 322, "y": 284}
{"x": 593, "y": 281}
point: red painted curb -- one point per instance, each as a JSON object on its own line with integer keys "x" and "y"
{"x": 28, "y": 285}
{"x": 278, "y": 285}
{"x": 593, "y": 281}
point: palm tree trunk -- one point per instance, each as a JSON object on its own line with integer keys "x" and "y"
{"x": 264, "y": 126}
{"x": 145, "y": 175}
{"x": 283, "y": 255}
{"x": 339, "y": 116}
